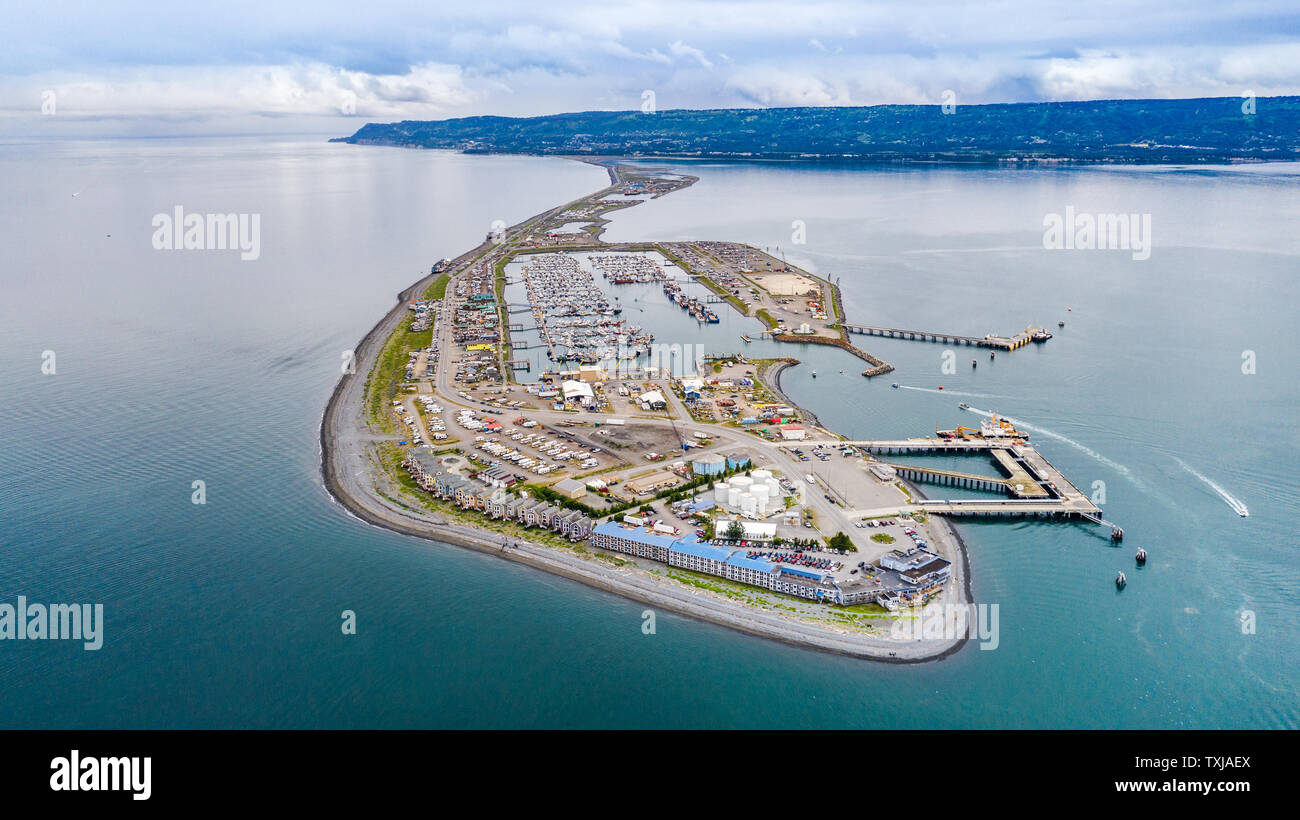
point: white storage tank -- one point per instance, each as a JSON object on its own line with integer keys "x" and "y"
{"x": 720, "y": 492}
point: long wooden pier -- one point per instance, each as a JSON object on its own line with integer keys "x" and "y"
{"x": 1024, "y": 337}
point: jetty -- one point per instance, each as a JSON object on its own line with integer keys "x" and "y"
{"x": 1024, "y": 337}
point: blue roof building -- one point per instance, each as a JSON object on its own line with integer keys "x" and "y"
{"x": 691, "y": 546}
{"x": 787, "y": 569}
{"x": 691, "y": 554}
{"x": 632, "y": 540}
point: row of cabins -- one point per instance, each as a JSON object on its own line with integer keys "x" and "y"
{"x": 493, "y": 501}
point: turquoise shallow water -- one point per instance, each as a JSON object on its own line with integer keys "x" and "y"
{"x": 181, "y": 366}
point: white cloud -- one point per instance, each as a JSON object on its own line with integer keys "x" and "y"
{"x": 781, "y": 87}
{"x": 211, "y": 91}
{"x": 680, "y": 49}
{"x": 404, "y": 60}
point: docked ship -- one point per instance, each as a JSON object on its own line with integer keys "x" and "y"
{"x": 990, "y": 428}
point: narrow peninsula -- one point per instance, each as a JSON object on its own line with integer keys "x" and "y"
{"x": 613, "y": 412}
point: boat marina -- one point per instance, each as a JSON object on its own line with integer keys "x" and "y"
{"x": 577, "y": 321}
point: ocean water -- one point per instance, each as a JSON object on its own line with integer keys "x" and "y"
{"x": 173, "y": 367}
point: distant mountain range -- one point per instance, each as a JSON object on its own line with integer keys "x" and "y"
{"x": 1200, "y": 130}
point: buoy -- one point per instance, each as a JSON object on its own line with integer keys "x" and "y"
{"x": 941, "y": 387}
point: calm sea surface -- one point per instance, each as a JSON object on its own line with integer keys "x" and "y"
{"x": 173, "y": 367}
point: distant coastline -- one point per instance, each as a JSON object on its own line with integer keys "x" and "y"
{"x": 1207, "y": 130}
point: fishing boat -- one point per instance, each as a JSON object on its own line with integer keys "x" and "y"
{"x": 1141, "y": 556}
{"x": 745, "y": 339}
{"x": 1060, "y": 324}
{"x": 814, "y": 374}
{"x": 1120, "y": 581}
{"x": 974, "y": 364}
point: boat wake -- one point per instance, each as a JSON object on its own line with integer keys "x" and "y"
{"x": 1232, "y": 501}
{"x": 956, "y": 393}
{"x": 1083, "y": 448}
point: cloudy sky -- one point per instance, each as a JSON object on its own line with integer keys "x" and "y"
{"x": 241, "y": 66}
